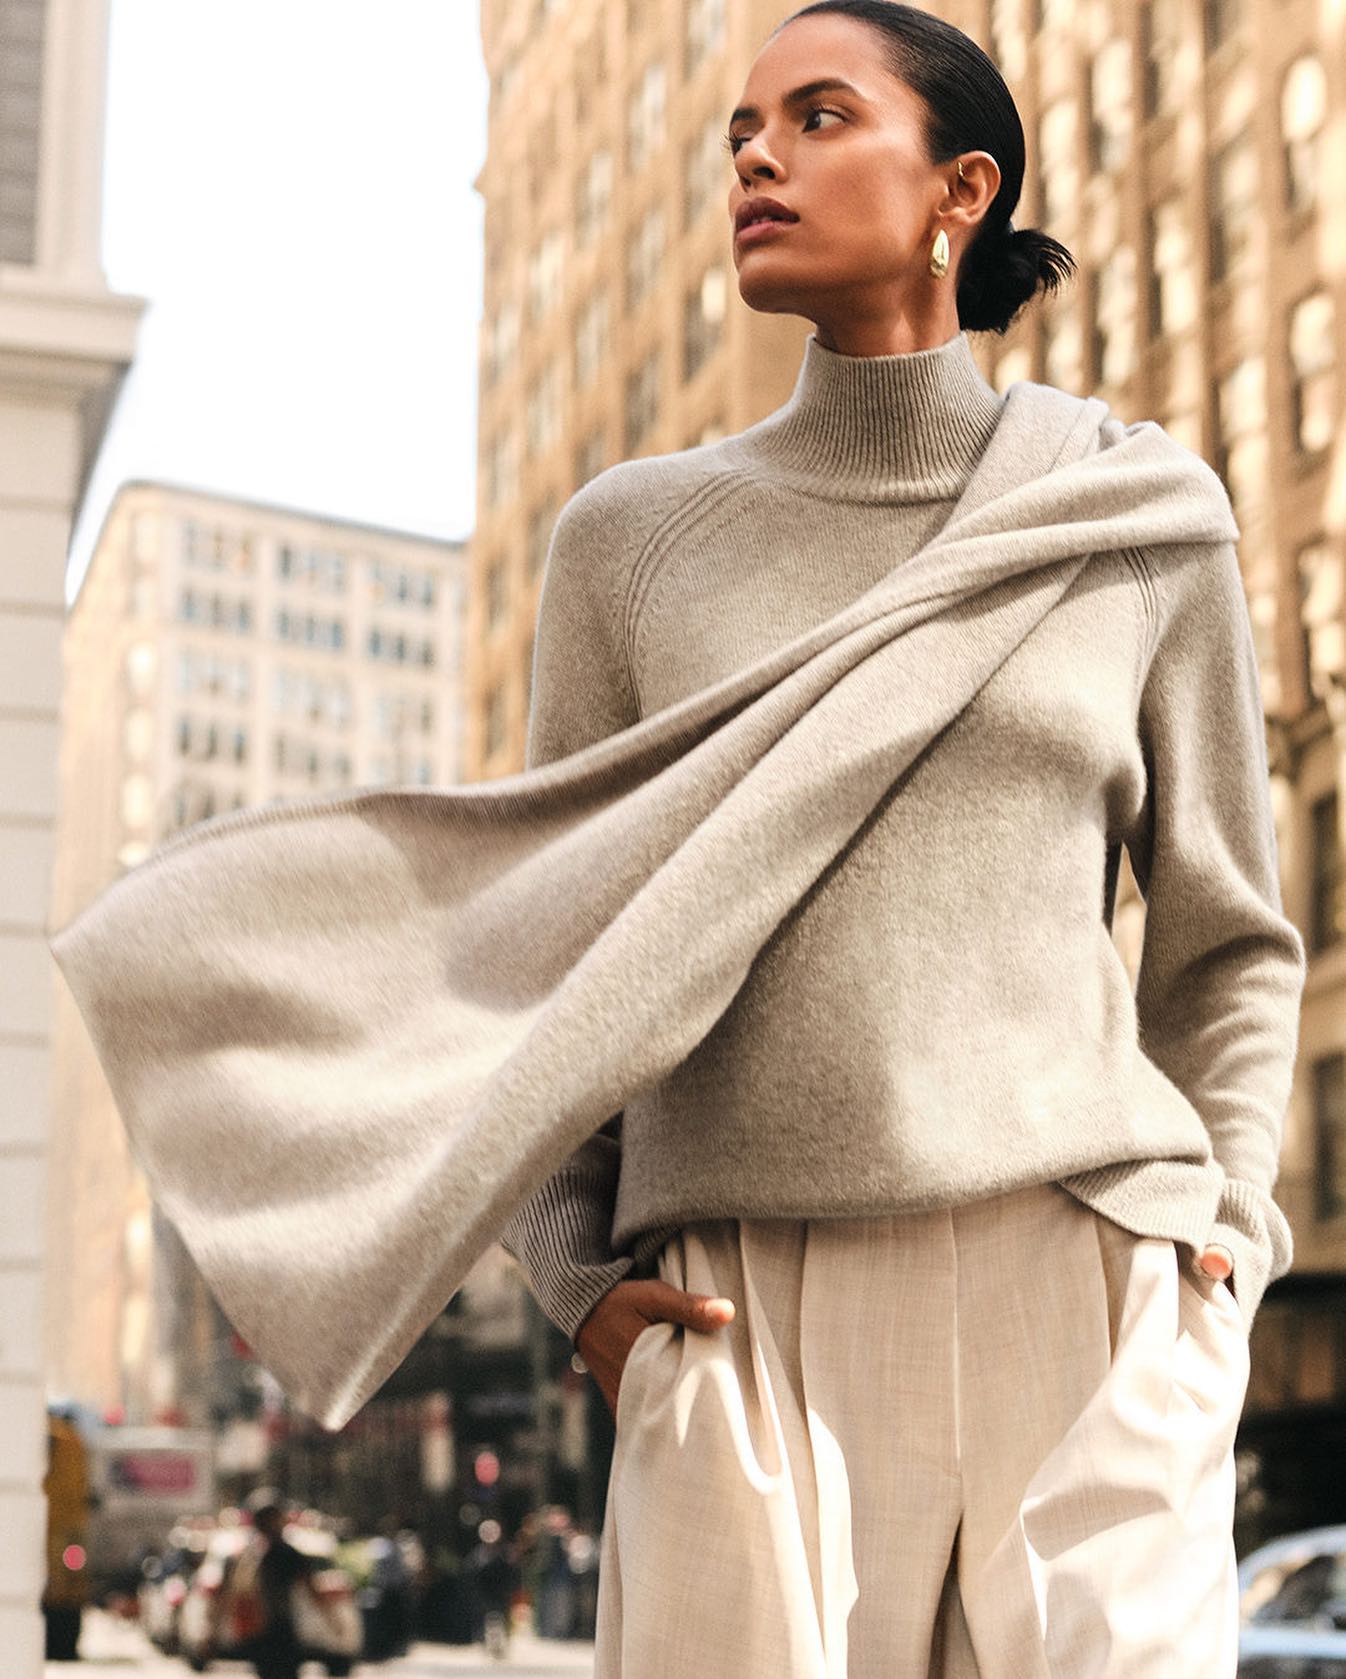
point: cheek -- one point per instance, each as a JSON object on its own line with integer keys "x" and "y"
{"x": 863, "y": 205}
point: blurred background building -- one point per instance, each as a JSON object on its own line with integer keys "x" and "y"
{"x": 65, "y": 344}
{"x": 219, "y": 654}
{"x": 1189, "y": 154}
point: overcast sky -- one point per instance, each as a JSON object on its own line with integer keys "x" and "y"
{"x": 289, "y": 183}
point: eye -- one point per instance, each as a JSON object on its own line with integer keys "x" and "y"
{"x": 823, "y": 111}
{"x": 731, "y": 142}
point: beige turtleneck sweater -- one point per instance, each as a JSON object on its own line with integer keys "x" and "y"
{"x": 946, "y": 1015}
{"x": 830, "y": 934}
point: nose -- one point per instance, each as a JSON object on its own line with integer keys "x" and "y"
{"x": 750, "y": 164}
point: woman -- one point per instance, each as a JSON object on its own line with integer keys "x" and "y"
{"x": 960, "y": 1398}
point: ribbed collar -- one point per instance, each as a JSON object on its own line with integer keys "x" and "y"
{"x": 904, "y": 427}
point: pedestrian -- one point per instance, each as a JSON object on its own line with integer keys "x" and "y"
{"x": 920, "y": 1289}
{"x": 277, "y": 1650}
{"x": 496, "y": 1575}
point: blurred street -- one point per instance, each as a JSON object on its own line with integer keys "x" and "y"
{"x": 114, "y": 1649}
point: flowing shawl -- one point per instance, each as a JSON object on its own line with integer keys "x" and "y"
{"x": 349, "y": 1034}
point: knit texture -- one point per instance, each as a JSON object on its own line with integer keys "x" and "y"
{"x": 827, "y": 933}
{"x": 944, "y": 1018}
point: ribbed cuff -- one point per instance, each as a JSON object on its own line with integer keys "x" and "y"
{"x": 562, "y": 1239}
{"x": 1255, "y": 1230}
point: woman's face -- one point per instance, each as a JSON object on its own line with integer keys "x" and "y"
{"x": 849, "y": 162}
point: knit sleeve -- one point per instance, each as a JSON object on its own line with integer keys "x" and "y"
{"x": 581, "y": 692}
{"x": 1222, "y": 969}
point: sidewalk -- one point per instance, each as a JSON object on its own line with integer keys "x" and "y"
{"x": 113, "y": 1649}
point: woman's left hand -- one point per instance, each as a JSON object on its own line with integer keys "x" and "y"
{"x": 1217, "y": 1261}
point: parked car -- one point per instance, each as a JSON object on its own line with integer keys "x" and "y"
{"x": 1292, "y": 1607}
{"x": 337, "y": 1647}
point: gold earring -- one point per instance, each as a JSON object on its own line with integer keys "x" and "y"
{"x": 939, "y": 250}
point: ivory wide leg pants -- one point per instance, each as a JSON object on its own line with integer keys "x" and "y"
{"x": 991, "y": 1441}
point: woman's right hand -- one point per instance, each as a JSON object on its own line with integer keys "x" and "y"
{"x": 608, "y": 1333}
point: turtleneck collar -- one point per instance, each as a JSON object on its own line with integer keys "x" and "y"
{"x": 904, "y": 427}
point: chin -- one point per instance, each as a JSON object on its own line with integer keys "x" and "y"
{"x": 768, "y": 296}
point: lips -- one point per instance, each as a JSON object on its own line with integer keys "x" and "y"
{"x": 760, "y": 209}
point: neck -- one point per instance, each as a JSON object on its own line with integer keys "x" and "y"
{"x": 909, "y": 426}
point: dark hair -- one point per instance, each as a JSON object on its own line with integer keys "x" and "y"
{"x": 969, "y": 109}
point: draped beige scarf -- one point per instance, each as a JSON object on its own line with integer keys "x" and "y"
{"x": 349, "y": 1034}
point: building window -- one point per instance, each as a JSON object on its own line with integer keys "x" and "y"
{"x": 591, "y": 340}
{"x": 1303, "y": 112}
{"x": 1242, "y": 448}
{"x": 1234, "y": 207}
{"x": 1224, "y": 18}
{"x": 1064, "y": 353}
{"x": 501, "y": 469}
{"x": 544, "y": 276}
{"x": 703, "y": 320}
{"x": 591, "y": 71}
{"x": 705, "y": 33}
{"x": 590, "y": 457}
{"x": 1312, "y": 371}
{"x": 645, "y": 255}
{"x": 540, "y": 157}
{"x": 1059, "y": 162}
{"x": 1322, "y": 612}
{"x": 593, "y": 198}
{"x": 642, "y": 401}
{"x": 645, "y": 117}
{"x": 540, "y": 523}
{"x": 711, "y": 432}
{"x": 542, "y": 410}
{"x": 1010, "y": 36}
{"x": 21, "y": 47}
{"x": 1172, "y": 295}
{"x": 1329, "y": 1126}
{"x": 495, "y": 720}
{"x": 1326, "y": 907}
{"x": 703, "y": 172}
{"x": 1161, "y": 44}
{"x": 1115, "y": 316}
{"x": 502, "y": 341}
{"x": 496, "y": 594}
{"x": 1110, "y": 105}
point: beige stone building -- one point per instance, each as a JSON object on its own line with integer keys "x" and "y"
{"x": 1187, "y": 155}
{"x": 65, "y": 344}
{"x": 220, "y": 653}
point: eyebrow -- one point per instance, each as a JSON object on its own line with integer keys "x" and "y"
{"x": 824, "y": 84}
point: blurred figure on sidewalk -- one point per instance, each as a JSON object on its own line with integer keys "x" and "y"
{"x": 496, "y": 1576}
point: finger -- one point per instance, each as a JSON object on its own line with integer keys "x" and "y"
{"x": 697, "y": 1311}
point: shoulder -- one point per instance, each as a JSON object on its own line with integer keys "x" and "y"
{"x": 634, "y": 497}
{"x": 627, "y": 509}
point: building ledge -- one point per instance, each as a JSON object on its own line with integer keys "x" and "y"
{"x": 53, "y": 332}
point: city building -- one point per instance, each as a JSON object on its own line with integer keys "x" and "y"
{"x": 66, "y": 342}
{"x": 220, "y": 653}
{"x": 1184, "y": 153}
